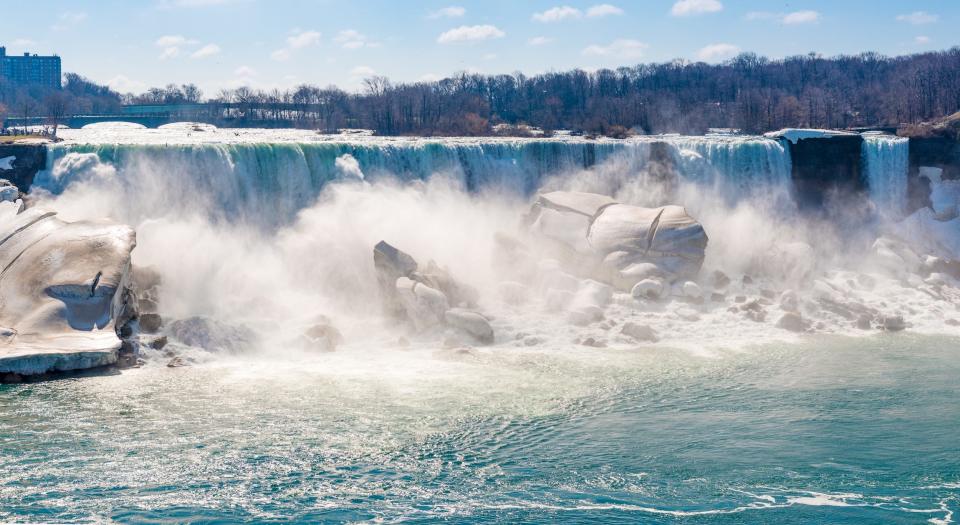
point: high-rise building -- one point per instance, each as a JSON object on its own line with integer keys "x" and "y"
{"x": 30, "y": 69}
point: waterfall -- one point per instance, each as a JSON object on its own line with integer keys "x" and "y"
{"x": 885, "y": 161}
{"x": 270, "y": 181}
{"x": 735, "y": 165}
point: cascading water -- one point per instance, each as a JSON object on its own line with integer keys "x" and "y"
{"x": 886, "y": 161}
{"x": 734, "y": 163}
{"x": 270, "y": 178}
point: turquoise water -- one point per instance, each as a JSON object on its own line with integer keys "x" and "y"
{"x": 832, "y": 430}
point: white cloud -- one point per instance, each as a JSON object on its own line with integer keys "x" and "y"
{"x": 170, "y": 52}
{"x": 453, "y": 11}
{"x": 280, "y": 55}
{"x": 68, "y": 19}
{"x": 298, "y": 39}
{"x": 717, "y": 52}
{"x": 620, "y": 48}
{"x": 171, "y": 41}
{"x": 557, "y": 14}
{"x": 351, "y": 39}
{"x": 245, "y": 71}
{"x": 206, "y": 51}
{"x": 922, "y": 40}
{"x": 599, "y": 11}
{"x": 302, "y": 39}
{"x": 801, "y": 17}
{"x": 918, "y": 18}
{"x": 430, "y": 77}
{"x": 173, "y": 44}
{"x": 122, "y": 84}
{"x": 695, "y": 7}
{"x": 470, "y": 33}
{"x": 363, "y": 71}
{"x": 490, "y": 56}
{"x": 796, "y": 17}
{"x": 539, "y": 41}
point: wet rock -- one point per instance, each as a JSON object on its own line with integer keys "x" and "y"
{"x": 457, "y": 293}
{"x": 585, "y": 315}
{"x": 391, "y": 264}
{"x": 157, "y": 343}
{"x": 150, "y": 323}
{"x": 692, "y": 290}
{"x": 720, "y": 280}
{"x": 212, "y": 335}
{"x": 894, "y": 323}
{"x": 10, "y": 378}
{"x": 648, "y": 289}
{"x": 593, "y": 342}
{"x": 473, "y": 323}
{"x": 177, "y": 362}
{"x": 639, "y": 332}
{"x": 789, "y": 302}
{"x": 422, "y": 305}
{"x": 793, "y": 322}
{"x": 323, "y": 337}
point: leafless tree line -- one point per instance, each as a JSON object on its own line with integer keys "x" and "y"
{"x": 748, "y": 92}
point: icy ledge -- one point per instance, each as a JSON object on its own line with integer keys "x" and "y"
{"x": 64, "y": 293}
{"x": 796, "y": 134}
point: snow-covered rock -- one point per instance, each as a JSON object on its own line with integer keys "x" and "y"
{"x": 648, "y": 289}
{"x": 63, "y": 290}
{"x": 795, "y": 135}
{"x": 617, "y": 243}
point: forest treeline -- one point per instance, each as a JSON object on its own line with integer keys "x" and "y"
{"x": 748, "y": 92}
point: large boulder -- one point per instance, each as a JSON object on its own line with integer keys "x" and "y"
{"x": 212, "y": 335}
{"x": 620, "y": 244}
{"x": 64, "y": 291}
{"x": 426, "y": 296}
{"x": 390, "y": 264}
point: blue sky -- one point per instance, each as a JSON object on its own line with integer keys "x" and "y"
{"x": 269, "y": 44}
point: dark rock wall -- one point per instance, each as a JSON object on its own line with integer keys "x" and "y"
{"x": 826, "y": 167}
{"x": 31, "y": 158}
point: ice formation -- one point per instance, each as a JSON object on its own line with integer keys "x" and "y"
{"x": 64, "y": 290}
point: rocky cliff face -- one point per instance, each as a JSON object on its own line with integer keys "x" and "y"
{"x": 824, "y": 165}
{"x": 19, "y": 163}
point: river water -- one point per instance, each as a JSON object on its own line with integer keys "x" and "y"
{"x": 833, "y": 429}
